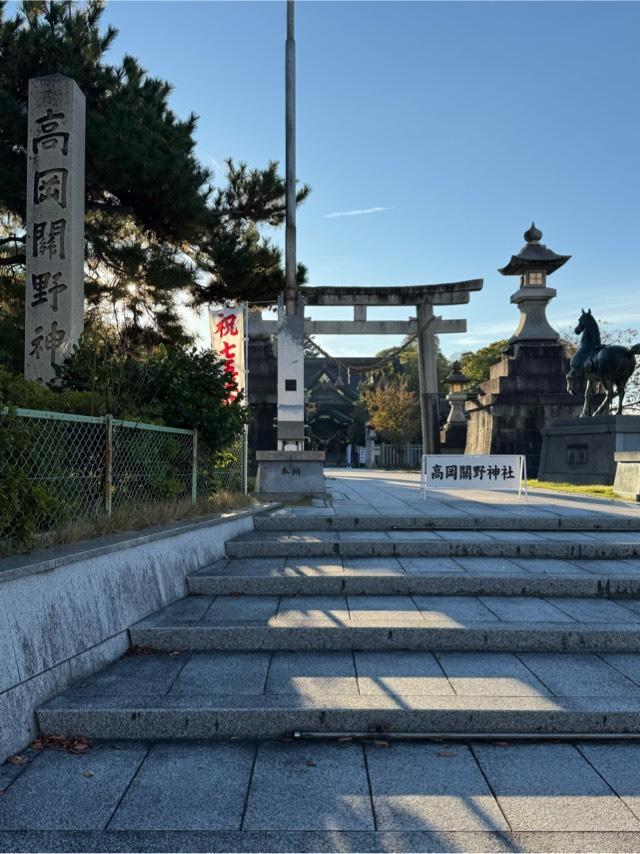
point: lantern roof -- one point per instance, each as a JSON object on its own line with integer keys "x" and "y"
{"x": 456, "y": 375}
{"x": 533, "y": 256}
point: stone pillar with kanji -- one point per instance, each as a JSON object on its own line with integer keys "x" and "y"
{"x": 54, "y": 298}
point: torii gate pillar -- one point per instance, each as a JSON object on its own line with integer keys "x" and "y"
{"x": 428, "y": 363}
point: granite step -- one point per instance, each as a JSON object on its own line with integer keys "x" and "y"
{"x": 423, "y": 575}
{"x": 392, "y": 636}
{"x": 261, "y": 694}
{"x": 420, "y": 622}
{"x": 608, "y": 545}
{"x": 514, "y": 520}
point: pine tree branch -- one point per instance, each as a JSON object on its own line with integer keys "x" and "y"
{"x": 12, "y": 260}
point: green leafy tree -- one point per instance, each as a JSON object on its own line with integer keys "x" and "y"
{"x": 156, "y": 229}
{"x": 357, "y": 428}
{"x": 476, "y": 364}
{"x": 393, "y": 410}
{"x": 407, "y": 364}
{"x": 177, "y": 386}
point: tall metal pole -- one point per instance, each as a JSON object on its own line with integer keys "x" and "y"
{"x": 291, "y": 286}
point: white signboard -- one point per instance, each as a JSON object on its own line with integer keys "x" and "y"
{"x": 228, "y": 334}
{"x": 459, "y": 471}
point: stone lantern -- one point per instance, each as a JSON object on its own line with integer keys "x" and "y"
{"x": 453, "y": 435}
{"x": 533, "y": 264}
{"x": 527, "y": 387}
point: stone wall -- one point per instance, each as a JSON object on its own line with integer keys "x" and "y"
{"x": 66, "y": 613}
{"x": 525, "y": 392}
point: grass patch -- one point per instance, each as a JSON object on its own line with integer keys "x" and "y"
{"x": 595, "y": 489}
{"x": 135, "y": 518}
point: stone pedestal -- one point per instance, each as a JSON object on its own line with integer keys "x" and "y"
{"x": 453, "y": 436}
{"x": 525, "y": 392}
{"x": 582, "y": 450}
{"x": 627, "y": 480}
{"x": 290, "y": 475}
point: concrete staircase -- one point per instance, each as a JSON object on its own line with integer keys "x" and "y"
{"x": 449, "y": 626}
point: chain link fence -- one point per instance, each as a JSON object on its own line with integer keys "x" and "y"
{"x": 58, "y": 469}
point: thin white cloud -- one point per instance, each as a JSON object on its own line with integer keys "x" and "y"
{"x": 211, "y": 159}
{"x": 360, "y": 212}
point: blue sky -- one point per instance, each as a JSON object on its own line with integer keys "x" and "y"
{"x": 455, "y": 124}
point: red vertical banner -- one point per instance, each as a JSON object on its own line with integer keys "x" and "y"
{"x": 228, "y": 341}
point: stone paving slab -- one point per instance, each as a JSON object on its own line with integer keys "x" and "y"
{"x": 553, "y": 567}
{"x": 552, "y": 787}
{"x": 331, "y": 609}
{"x": 628, "y": 665}
{"x": 313, "y": 673}
{"x": 384, "y": 609}
{"x": 318, "y": 841}
{"x": 65, "y": 792}
{"x": 578, "y": 675}
{"x": 312, "y": 567}
{"x": 438, "y": 565}
{"x": 267, "y": 567}
{"x": 145, "y": 674}
{"x": 400, "y": 610}
{"x": 586, "y": 610}
{"x": 430, "y": 787}
{"x": 223, "y": 673}
{"x": 319, "y": 795}
{"x": 529, "y": 609}
{"x": 185, "y": 610}
{"x": 200, "y": 786}
{"x": 309, "y": 787}
{"x": 490, "y": 566}
{"x": 458, "y": 610}
{"x": 490, "y": 674}
{"x": 619, "y": 765}
{"x": 374, "y": 566}
{"x": 229, "y": 609}
{"x": 400, "y": 674}
{"x": 371, "y": 488}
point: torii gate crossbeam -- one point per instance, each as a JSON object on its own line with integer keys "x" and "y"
{"x": 426, "y": 325}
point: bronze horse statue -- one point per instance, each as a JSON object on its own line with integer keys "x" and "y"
{"x": 610, "y": 365}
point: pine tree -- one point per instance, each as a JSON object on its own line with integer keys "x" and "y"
{"x": 155, "y": 228}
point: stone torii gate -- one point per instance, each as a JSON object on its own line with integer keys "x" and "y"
{"x": 426, "y": 325}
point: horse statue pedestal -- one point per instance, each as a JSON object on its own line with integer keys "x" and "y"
{"x": 627, "y": 482}
{"x": 582, "y": 450}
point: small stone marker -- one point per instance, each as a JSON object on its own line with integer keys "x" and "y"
{"x": 54, "y": 303}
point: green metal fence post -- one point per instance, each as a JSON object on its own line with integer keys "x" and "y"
{"x": 245, "y": 460}
{"x": 194, "y": 468}
{"x": 108, "y": 464}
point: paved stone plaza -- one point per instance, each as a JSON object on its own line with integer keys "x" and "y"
{"x": 324, "y": 796}
{"x": 395, "y": 493}
{"x": 375, "y": 672}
